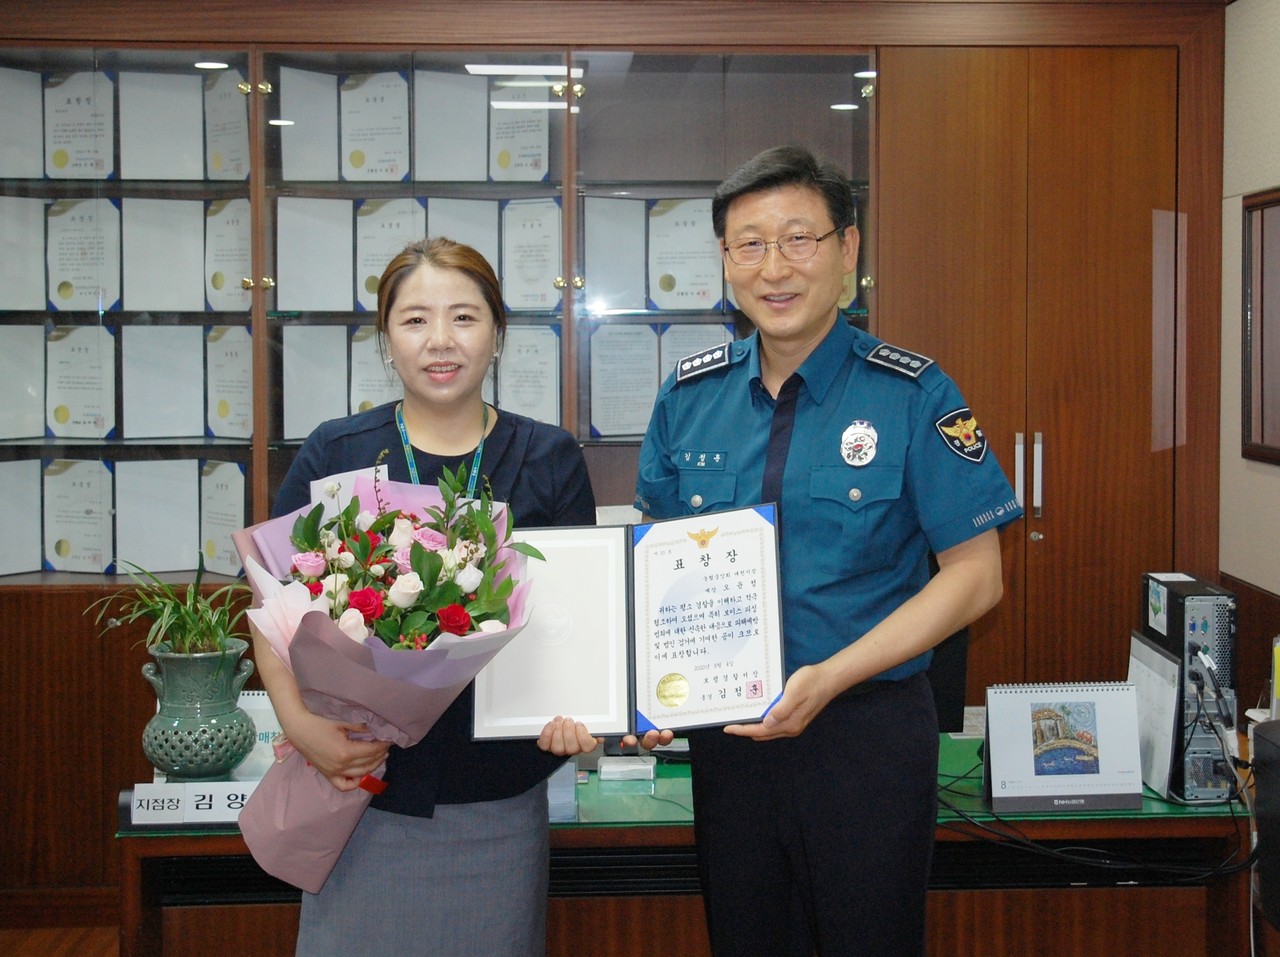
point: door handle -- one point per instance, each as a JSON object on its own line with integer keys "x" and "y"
{"x": 1037, "y": 476}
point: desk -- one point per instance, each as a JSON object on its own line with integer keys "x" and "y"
{"x": 623, "y": 876}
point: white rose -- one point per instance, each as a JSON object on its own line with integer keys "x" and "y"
{"x": 401, "y": 533}
{"x": 405, "y": 590}
{"x": 468, "y": 578}
{"x": 364, "y": 520}
{"x": 449, "y": 567}
{"x": 336, "y": 588}
{"x": 491, "y": 626}
{"x": 353, "y": 626}
{"x": 468, "y": 552}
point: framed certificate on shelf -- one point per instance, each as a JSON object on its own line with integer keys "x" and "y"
{"x": 670, "y": 624}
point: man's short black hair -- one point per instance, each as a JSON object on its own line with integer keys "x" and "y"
{"x": 785, "y": 166}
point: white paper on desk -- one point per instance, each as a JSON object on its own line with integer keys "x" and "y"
{"x": 226, "y": 126}
{"x": 519, "y": 138}
{"x": 161, "y": 126}
{"x": 22, "y": 253}
{"x": 20, "y": 516}
{"x": 227, "y": 255}
{"x": 82, "y": 248}
{"x": 680, "y": 339}
{"x": 383, "y": 228}
{"x": 613, "y": 249}
{"x": 163, "y": 253}
{"x": 221, "y": 513}
{"x": 229, "y": 382}
{"x": 685, "y": 265}
{"x": 314, "y": 254}
{"x": 531, "y": 254}
{"x": 1154, "y": 674}
{"x": 572, "y": 656}
{"x": 624, "y": 378}
{"x": 529, "y": 372}
{"x": 309, "y": 147}
{"x": 147, "y": 491}
{"x": 21, "y": 381}
{"x": 451, "y": 128}
{"x": 163, "y": 381}
{"x": 80, "y": 385}
{"x": 21, "y": 124}
{"x": 375, "y": 126}
{"x": 79, "y": 126}
{"x": 373, "y": 382}
{"x": 257, "y": 705}
{"x": 473, "y": 222}
{"x": 315, "y": 377}
{"x": 77, "y": 516}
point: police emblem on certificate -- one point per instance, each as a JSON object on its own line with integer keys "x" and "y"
{"x": 672, "y": 624}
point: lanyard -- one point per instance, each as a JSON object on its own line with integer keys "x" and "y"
{"x": 413, "y": 466}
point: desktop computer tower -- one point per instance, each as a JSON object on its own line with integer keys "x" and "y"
{"x": 1195, "y": 622}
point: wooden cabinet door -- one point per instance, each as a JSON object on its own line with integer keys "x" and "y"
{"x": 951, "y": 279}
{"x": 1102, "y": 167}
{"x": 1025, "y": 234}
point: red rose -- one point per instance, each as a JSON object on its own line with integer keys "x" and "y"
{"x": 316, "y": 588}
{"x": 454, "y": 619}
{"x": 368, "y": 602}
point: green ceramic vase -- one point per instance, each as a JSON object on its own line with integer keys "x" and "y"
{"x": 200, "y": 733}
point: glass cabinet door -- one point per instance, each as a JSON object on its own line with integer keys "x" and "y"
{"x": 368, "y": 151}
{"x": 126, "y": 393}
{"x": 655, "y": 134}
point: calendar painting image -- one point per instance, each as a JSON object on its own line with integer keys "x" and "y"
{"x": 1065, "y": 737}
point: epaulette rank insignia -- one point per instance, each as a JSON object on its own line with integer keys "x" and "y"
{"x": 892, "y": 357}
{"x": 692, "y": 366}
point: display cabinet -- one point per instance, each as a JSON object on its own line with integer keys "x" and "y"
{"x": 210, "y": 230}
{"x": 126, "y": 388}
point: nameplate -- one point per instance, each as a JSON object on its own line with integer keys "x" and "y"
{"x": 213, "y": 802}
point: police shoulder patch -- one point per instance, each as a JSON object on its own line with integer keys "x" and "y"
{"x": 690, "y": 367}
{"x": 959, "y": 429}
{"x": 900, "y": 360}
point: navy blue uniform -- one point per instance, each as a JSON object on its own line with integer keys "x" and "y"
{"x": 886, "y": 464}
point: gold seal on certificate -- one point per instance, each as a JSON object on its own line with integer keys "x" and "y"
{"x": 673, "y": 690}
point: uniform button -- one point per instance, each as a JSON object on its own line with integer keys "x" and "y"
{"x": 855, "y": 494}
{"x": 696, "y": 501}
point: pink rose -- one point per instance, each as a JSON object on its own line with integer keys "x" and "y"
{"x": 310, "y": 564}
{"x": 430, "y": 539}
{"x": 368, "y": 602}
{"x": 454, "y": 619}
{"x": 401, "y": 558}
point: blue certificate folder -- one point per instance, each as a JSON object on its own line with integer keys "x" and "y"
{"x": 1062, "y": 747}
{"x": 672, "y": 624}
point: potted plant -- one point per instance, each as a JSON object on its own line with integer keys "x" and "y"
{"x": 199, "y": 732}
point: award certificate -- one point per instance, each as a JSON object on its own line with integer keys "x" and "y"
{"x": 672, "y": 624}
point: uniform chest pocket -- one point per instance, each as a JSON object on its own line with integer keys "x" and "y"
{"x": 705, "y": 490}
{"x": 852, "y": 523}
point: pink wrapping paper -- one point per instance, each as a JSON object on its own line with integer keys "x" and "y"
{"x": 296, "y": 823}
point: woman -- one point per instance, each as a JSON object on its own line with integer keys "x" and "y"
{"x": 452, "y": 858}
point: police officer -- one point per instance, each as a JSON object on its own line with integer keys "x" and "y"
{"x": 815, "y": 827}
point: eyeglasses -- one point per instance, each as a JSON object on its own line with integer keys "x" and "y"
{"x": 795, "y": 247}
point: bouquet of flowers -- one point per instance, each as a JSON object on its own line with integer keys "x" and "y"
{"x": 386, "y": 616}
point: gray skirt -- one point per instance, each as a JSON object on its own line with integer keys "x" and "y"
{"x": 470, "y": 881}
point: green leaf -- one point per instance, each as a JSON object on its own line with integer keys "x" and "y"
{"x": 524, "y": 548}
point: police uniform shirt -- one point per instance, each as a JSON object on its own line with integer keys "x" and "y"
{"x": 886, "y": 464}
